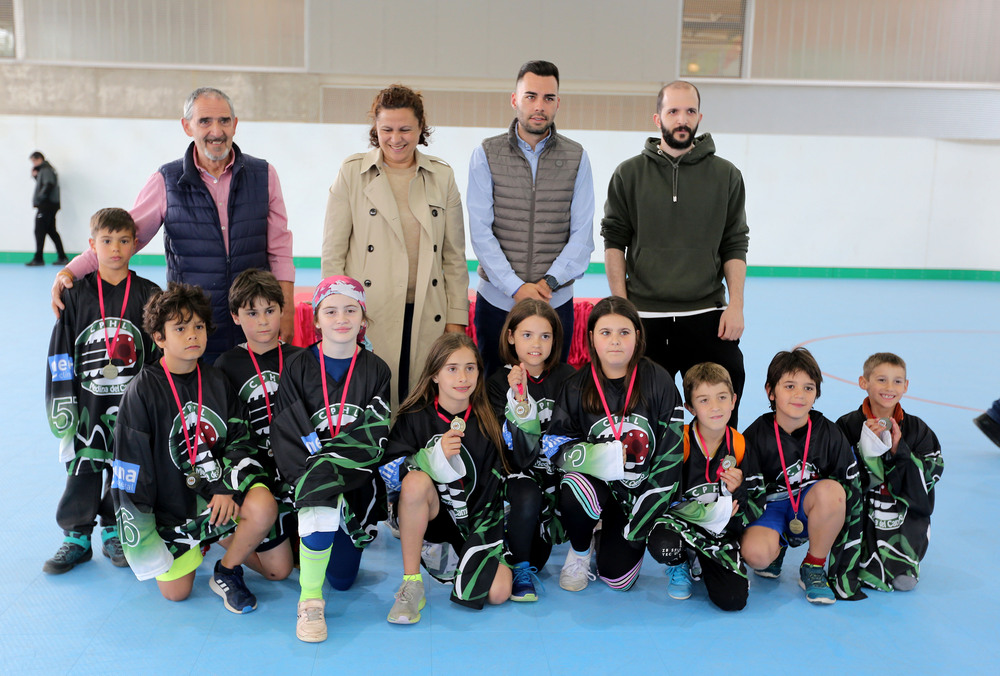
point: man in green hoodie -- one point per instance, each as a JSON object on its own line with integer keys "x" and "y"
{"x": 674, "y": 228}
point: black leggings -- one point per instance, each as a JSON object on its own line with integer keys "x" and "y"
{"x": 582, "y": 501}
{"x": 524, "y": 530}
{"x": 727, "y": 589}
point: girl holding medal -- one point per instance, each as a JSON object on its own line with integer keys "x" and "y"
{"x": 616, "y": 428}
{"x": 722, "y": 493}
{"x": 811, "y": 480}
{"x": 452, "y": 479}
{"x": 330, "y": 423}
{"x": 522, "y": 394}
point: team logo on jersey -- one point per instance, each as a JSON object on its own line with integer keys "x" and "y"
{"x": 454, "y": 498}
{"x": 125, "y": 475}
{"x": 545, "y": 407}
{"x": 350, "y": 414}
{"x": 884, "y": 511}
{"x": 205, "y": 438}
{"x": 253, "y": 394}
{"x": 704, "y": 493}
{"x": 92, "y": 355}
{"x": 637, "y": 438}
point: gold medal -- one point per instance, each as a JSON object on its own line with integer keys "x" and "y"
{"x": 728, "y": 463}
{"x": 110, "y": 371}
{"x": 796, "y": 527}
{"x": 521, "y": 409}
{"x": 458, "y": 424}
{"x": 192, "y": 480}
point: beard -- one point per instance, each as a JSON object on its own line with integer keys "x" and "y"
{"x": 673, "y": 142}
{"x": 218, "y": 156}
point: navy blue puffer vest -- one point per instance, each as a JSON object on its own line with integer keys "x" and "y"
{"x": 192, "y": 235}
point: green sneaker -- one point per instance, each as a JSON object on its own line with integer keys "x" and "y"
{"x": 74, "y": 550}
{"x": 773, "y": 570}
{"x": 813, "y": 580}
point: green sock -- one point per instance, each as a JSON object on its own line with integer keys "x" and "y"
{"x": 312, "y": 571}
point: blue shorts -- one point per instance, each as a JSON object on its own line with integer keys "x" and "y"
{"x": 777, "y": 514}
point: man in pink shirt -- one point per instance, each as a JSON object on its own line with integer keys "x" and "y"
{"x": 221, "y": 211}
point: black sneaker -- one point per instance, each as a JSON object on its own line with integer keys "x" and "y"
{"x": 233, "y": 591}
{"x": 61, "y": 261}
{"x": 74, "y": 549}
{"x": 35, "y": 262}
{"x": 989, "y": 427}
{"x": 112, "y": 547}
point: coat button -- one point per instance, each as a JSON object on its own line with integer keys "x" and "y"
{"x": 371, "y": 248}
{"x": 372, "y": 212}
{"x": 434, "y": 212}
{"x": 368, "y": 282}
{"x": 434, "y": 282}
{"x": 435, "y": 247}
{"x": 437, "y": 318}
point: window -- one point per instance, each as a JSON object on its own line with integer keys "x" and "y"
{"x": 712, "y": 38}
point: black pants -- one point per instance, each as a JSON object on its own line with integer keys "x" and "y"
{"x": 403, "y": 370}
{"x": 524, "y": 534}
{"x": 489, "y": 321}
{"x": 45, "y": 224}
{"x": 86, "y": 497}
{"x": 678, "y": 343}
{"x": 727, "y": 589}
{"x": 618, "y": 559}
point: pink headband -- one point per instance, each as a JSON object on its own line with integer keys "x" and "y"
{"x": 344, "y": 285}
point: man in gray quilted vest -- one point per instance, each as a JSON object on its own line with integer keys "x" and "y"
{"x": 531, "y": 211}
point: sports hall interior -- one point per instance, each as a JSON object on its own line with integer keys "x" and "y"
{"x": 868, "y": 136}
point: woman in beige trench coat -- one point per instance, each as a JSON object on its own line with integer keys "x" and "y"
{"x": 394, "y": 222}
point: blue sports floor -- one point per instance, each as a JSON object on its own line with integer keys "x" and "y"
{"x": 98, "y": 619}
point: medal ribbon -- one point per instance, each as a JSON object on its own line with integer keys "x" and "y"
{"x": 438, "y": 411}
{"x": 797, "y": 500}
{"x": 260, "y": 376}
{"x": 191, "y": 448}
{"x": 326, "y": 395}
{"x": 708, "y": 458}
{"x": 100, "y": 300}
{"x": 607, "y": 411}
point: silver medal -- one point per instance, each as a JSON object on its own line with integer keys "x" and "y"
{"x": 110, "y": 371}
{"x": 728, "y": 463}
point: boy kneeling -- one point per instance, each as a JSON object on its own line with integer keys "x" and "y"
{"x": 184, "y": 466}
{"x": 811, "y": 481}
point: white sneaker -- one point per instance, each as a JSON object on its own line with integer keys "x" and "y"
{"x": 575, "y": 573}
{"x": 311, "y": 623}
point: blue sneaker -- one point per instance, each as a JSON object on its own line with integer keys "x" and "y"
{"x": 679, "y": 586}
{"x": 523, "y": 588}
{"x": 813, "y": 580}
{"x": 773, "y": 570}
{"x": 233, "y": 591}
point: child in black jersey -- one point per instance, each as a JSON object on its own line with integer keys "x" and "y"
{"x": 722, "y": 491}
{"x": 522, "y": 394}
{"x": 811, "y": 481}
{"x": 330, "y": 425}
{"x": 256, "y": 303}
{"x": 617, "y": 430}
{"x": 185, "y": 471}
{"x": 97, "y": 347}
{"x": 901, "y": 465}
{"x": 451, "y": 480}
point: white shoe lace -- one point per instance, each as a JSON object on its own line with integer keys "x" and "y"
{"x": 578, "y": 566}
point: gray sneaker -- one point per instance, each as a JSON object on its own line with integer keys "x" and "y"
{"x": 409, "y": 602}
{"x": 575, "y": 574}
{"x": 310, "y": 625}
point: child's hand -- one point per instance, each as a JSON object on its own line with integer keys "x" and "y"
{"x": 518, "y": 376}
{"x": 451, "y": 442}
{"x": 733, "y": 478}
{"x": 224, "y": 508}
{"x": 736, "y": 507}
{"x": 897, "y": 434}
